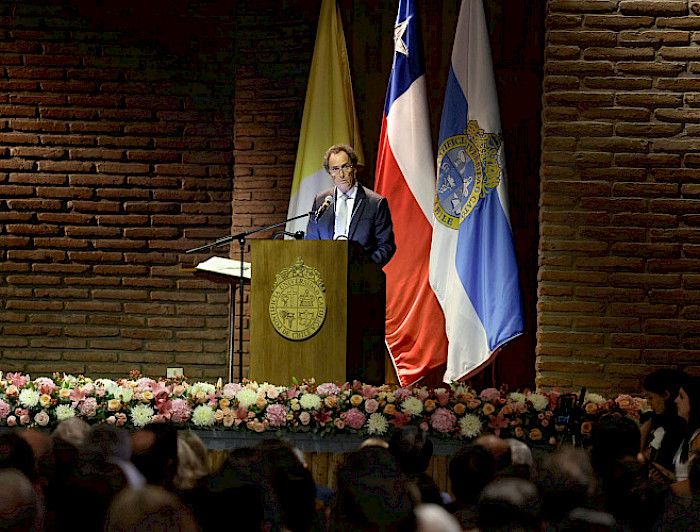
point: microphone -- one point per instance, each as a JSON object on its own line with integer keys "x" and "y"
{"x": 327, "y": 203}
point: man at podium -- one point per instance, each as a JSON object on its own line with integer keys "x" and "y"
{"x": 350, "y": 211}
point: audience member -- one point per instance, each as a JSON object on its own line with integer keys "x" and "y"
{"x": 500, "y": 450}
{"x": 150, "y": 508}
{"x": 192, "y": 461}
{"x": 21, "y": 509}
{"x": 16, "y": 453}
{"x": 373, "y": 494}
{"x": 663, "y": 432}
{"x": 413, "y": 451}
{"x": 434, "y": 518}
{"x": 521, "y": 459}
{"x": 470, "y": 470}
{"x": 154, "y": 453}
{"x": 509, "y": 504}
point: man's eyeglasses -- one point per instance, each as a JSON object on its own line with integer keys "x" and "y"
{"x": 336, "y": 170}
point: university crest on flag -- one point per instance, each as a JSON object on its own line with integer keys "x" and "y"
{"x": 468, "y": 170}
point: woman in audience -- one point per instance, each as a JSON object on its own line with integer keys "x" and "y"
{"x": 663, "y": 432}
{"x": 688, "y": 404}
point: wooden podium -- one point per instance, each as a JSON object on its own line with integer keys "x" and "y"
{"x": 350, "y": 341}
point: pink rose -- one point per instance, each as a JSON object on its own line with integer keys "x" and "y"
{"x": 443, "y": 397}
{"x": 402, "y": 393}
{"x": 305, "y": 418}
{"x": 490, "y": 394}
{"x": 24, "y": 419}
{"x": 371, "y": 406}
{"x": 88, "y": 407}
{"x": 276, "y": 415}
{"x": 443, "y": 420}
{"x": 180, "y": 410}
{"x": 42, "y": 419}
{"x": 369, "y": 391}
{"x": 111, "y": 420}
{"x": 355, "y": 419}
{"x": 4, "y": 409}
{"x": 11, "y": 421}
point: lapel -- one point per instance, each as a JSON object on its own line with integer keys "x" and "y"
{"x": 360, "y": 202}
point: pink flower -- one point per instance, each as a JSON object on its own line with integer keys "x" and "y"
{"x": 339, "y": 423}
{"x": 88, "y": 407}
{"x": 11, "y": 421}
{"x": 24, "y": 419}
{"x": 17, "y": 379}
{"x": 443, "y": 420}
{"x": 371, "y": 406}
{"x": 145, "y": 383}
{"x": 402, "y": 393}
{"x": 322, "y": 418}
{"x": 4, "y": 409}
{"x": 159, "y": 388}
{"x": 292, "y": 392}
{"x": 424, "y": 426}
{"x": 180, "y": 410}
{"x": 422, "y": 394}
{"x": 400, "y": 419}
{"x": 355, "y": 419}
{"x": 42, "y": 419}
{"x": 231, "y": 389}
{"x": 369, "y": 391}
{"x": 497, "y": 423}
{"x": 121, "y": 419}
{"x": 443, "y": 397}
{"x": 277, "y": 415}
{"x": 76, "y": 395}
{"x": 45, "y": 385}
{"x": 473, "y": 403}
{"x": 111, "y": 420}
{"x": 328, "y": 388}
{"x": 305, "y": 418}
{"x": 490, "y": 394}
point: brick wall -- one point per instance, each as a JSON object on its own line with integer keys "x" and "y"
{"x": 115, "y": 157}
{"x": 619, "y": 279}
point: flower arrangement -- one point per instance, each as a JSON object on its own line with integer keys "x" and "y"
{"x": 455, "y": 411}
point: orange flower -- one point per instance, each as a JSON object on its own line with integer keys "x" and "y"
{"x": 113, "y": 405}
{"x": 429, "y": 405}
{"x": 224, "y": 403}
{"x": 390, "y": 409}
{"x": 586, "y": 427}
{"x": 356, "y": 400}
{"x": 506, "y": 410}
{"x": 535, "y": 434}
{"x": 489, "y": 409}
{"x": 519, "y": 432}
{"x": 330, "y": 401}
{"x": 591, "y": 408}
{"x": 460, "y": 409}
{"x": 339, "y": 423}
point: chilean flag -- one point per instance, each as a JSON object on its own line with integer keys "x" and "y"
{"x": 415, "y": 324}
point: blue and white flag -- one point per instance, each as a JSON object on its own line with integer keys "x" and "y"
{"x": 472, "y": 260}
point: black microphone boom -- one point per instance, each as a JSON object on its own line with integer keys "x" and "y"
{"x": 326, "y": 203}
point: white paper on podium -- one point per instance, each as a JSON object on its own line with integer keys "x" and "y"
{"x": 223, "y": 266}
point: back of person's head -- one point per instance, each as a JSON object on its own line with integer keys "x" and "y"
{"x": 154, "y": 453}
{"x": 521, "y": 459}
{"x": 291, "y": 481}
{"x": 16, "y": 453}
{"x": 565, "y": 479}
{"x": 373, "y": 493}
{"x": 151, "y": 508}
{"x": 499, "y": 448}
{"x": 434, "y": 518}
{"x": 192, "y": 461}
{"x": 509, "y": 504}
{"x": 470, "y": 469}
{"x": 614, "y": 438}
{"x": 21, "y": 509}
{"x": 72, "y": 430}
{"x": 412, "y": 448}
{"x": 109, "y": 442}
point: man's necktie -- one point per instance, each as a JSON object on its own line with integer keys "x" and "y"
{"x": 341, "y": 215}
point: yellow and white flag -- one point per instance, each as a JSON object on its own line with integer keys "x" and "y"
{"x": 329, "y": 115}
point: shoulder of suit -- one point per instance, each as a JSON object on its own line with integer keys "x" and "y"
{"x": 371, "y": 194}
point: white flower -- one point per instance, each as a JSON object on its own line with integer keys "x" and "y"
{"x": 29, "y": 397}
{"x": 201, "y": 387}
{"x": 538, "y": 400}
{"x": 377, "y": 424}
{"x": 110, "y": 387}
{"x": 470, "y": 426}
{"x": 517, "y": 397}
{"x": 412, "y": 405}
{"x": 125, "y": 394}
{"x": 42, "y": 418}
{"x": 460, "y": 389}
{"x": 310, "y": 401}
{"x": 64, "y": 412}
{"x": 141, "y": 415}
{"x": 246, "y": 397}
{"x": 204, "y": 416}
{"x": 595, "y": 398}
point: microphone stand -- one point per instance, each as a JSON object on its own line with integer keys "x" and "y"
{"x": 241, "y": 237}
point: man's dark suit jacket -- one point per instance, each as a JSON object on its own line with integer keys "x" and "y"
{"x": 370, "y": 224}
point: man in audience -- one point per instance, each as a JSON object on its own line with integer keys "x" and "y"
{"x": 470, "y": 470}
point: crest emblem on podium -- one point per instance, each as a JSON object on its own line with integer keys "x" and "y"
{"x": 298, "y": 301}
